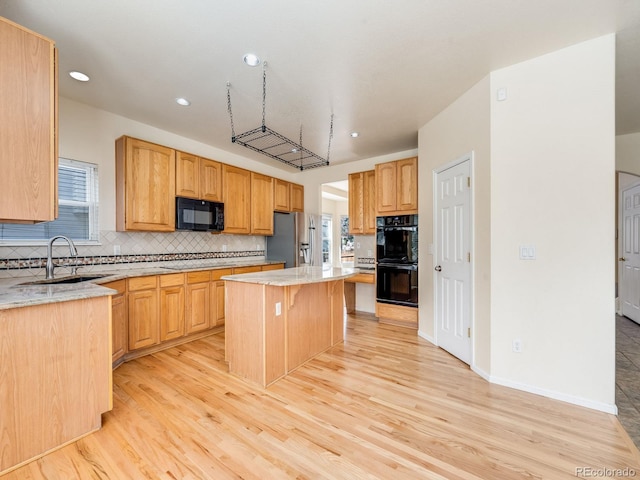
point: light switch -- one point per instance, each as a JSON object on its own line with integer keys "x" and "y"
{"x": 278, "y": 309}
{"x": 501, "y": 94}
{"x": 527, "y": 252}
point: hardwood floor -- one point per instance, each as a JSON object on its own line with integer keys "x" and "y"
{"x": 385, "y": 404}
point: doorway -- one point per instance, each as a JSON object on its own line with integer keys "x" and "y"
{"x": 452, "y": 234}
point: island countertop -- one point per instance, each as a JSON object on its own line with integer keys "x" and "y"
{"x": 293, "y": 276}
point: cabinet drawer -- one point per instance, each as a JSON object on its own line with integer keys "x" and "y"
{"x": 198, "y": 277}
{"x": 119, "y": 285}
{"x": 172, "y": 280}
{"x": 142, "y": 283}
{"x": 216, "y": 274}
{"x": 254, "y": 268}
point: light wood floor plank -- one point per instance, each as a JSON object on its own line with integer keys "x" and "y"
{"x": 385, "y": 404}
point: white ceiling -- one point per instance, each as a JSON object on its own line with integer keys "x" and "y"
{"x": 383, "y": 68}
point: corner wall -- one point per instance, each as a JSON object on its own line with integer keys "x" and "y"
{"x": 552, "y": 186}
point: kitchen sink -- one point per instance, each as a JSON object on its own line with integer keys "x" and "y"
{"x": 69, "y": 279}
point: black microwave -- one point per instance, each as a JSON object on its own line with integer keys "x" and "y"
{"x": 200, "y": 215}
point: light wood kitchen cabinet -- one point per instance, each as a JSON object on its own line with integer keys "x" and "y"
{"x": 356, "y": 203}
{"x": 56, "y": 376}
{"x": 29, "y": 115}
{"x": 198, "y": 177}
{"x": 261, "y": 204}
{"x": 396, "y": 187}
{"x": 145, "y": 186}
{"x": 142, "y": 312}
{"x": 297, "y": 198}
{"x": 236, "y": 183}
{"x": 217, "y": 296}
{"x": 172, "y": 309}
{"x": 287, "y": 196}
{"x": 281, "y": 195}
{"x": 198, "y": 316}
{"x": 362, "y": 207}
{"x": 118, "y": 320}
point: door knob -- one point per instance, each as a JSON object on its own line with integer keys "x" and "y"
{"x": 622, "y": 259}
{"x": 438, "y": 268}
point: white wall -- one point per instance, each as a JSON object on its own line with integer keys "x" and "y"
{"x": 552, "y": 186}
{"x": 463, "y": 127}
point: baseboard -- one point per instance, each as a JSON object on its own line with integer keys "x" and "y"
{"x": 428, "y": 338}
{"x": 582, "y": 402}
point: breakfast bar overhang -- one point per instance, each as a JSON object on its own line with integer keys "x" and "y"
{"x": 277, "y": 320}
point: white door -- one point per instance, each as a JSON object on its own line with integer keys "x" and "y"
{"x": 630, "y": 255}
{"x": 453, "y": 260}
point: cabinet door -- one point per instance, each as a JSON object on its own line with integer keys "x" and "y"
{"x": 143, "y": 318}
{"x": 261, "y": 204}
{"x": 297, "y": 198}
{"x": 187, "y": 175}
{"x": 356, "y": 205}
{"x": 369, "y": 202}
{"x": 407, "y": 185}
{"x": 210, "y": 180}
{"x": 118, "y": 320}
{"x": 386, "y": 188}
{"x": 145, "y": 186}
{"x": 198, "y": 307}
{"x": 171, "y": 312}
{"x": 28, "y": 116}
{"x": 281, "y": 195}
{"x": 236, "y": 185}
{"x": 118, "y": 327}
{"x": 217, "y": 307}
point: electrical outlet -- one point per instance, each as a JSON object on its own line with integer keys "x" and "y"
{"x": 517, "y": 345}
{"x": 258, "y": 247}
{"x": 224, "y": 248}
{"x": 369, "y": 253}
{"x": 116, "y": 250}
{"x": 278, "y": 309}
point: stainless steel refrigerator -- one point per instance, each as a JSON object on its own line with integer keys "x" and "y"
{"x": 297, "y": 239}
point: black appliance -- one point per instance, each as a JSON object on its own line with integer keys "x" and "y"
{"x": 200, "y": 215}
{"x": 397, "y": 260}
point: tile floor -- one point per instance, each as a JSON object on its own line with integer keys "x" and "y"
{"x": 628, "y": 376}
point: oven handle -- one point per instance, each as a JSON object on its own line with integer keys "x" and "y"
{"x": 397, "y": 266}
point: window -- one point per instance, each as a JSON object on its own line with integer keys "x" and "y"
{"x": 346, "y": 241}
{"x": 326, "y": 239}
{"x": 77, "y": 209}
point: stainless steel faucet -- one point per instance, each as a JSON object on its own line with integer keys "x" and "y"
{"x": 72, "y": 250}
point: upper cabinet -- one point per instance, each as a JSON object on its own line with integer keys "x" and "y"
{"x": 297, "y": 197}
{"x": 287, "y": 196}
{"x": 362, "y": 213}
{"x": 261, "y": 204}
{"x": 396, "y": 186}
{"x": 28, "y": 143}
{"x": 237, "y": 199}
{"x": 145, "y": 186}
{"x": 198, "y": 177}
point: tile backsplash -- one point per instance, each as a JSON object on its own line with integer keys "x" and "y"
{"x": 132, "y": 247}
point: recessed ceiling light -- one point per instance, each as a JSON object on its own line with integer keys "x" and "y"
{"x": 183, "y": 101}
{"x": 251, "y": 59}
{"x": 354, "y": 134}
{"x": 81, "y": 77}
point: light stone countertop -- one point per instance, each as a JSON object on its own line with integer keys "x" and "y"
{"x": 293, "y": 276}
{"x": 15, "y": 295}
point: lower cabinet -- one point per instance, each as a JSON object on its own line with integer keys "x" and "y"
{"x": 152, "y": 310}
{"x": 198, "y": 301}
{"x": 171, "y": 306}
{"x": 142, "y": 311}
{"x": 118, "y": 320}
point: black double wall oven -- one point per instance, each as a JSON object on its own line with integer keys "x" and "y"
{"x": 397, "y": 260}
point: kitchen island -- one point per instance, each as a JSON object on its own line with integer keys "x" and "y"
{"x": 277, "y": 320}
